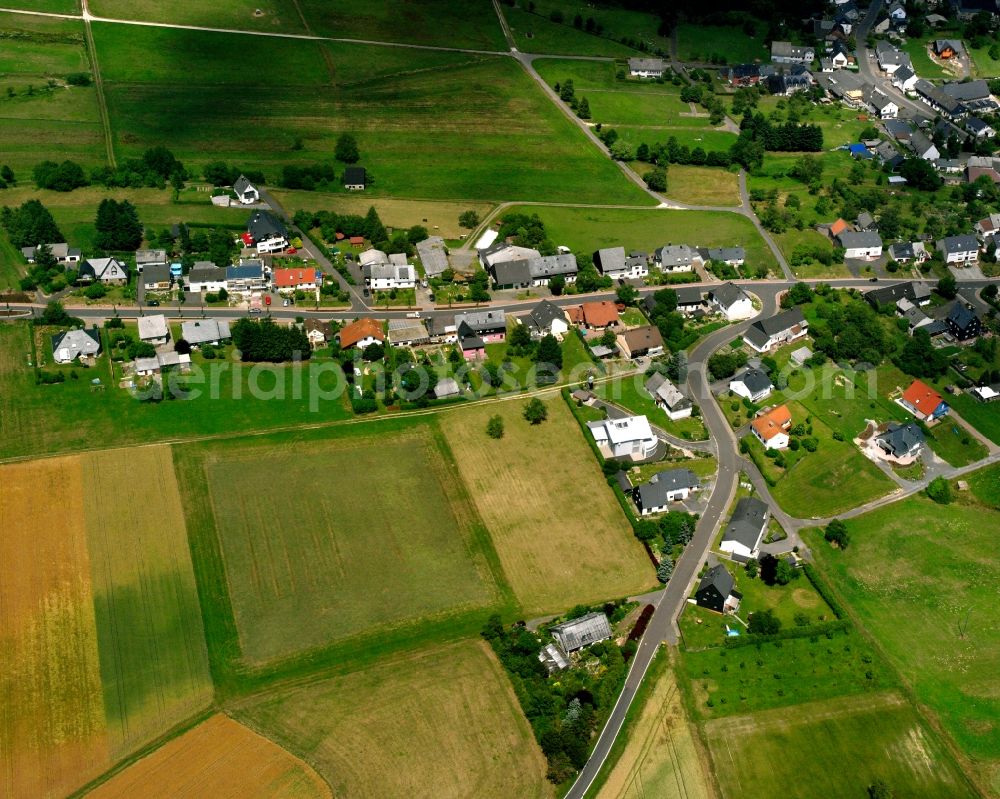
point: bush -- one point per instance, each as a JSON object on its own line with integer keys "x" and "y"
{"x": 764, "y": 622}
{"x": 494, "y": 427}
{"x": 939, "y": 490}
{"x": 836, "y": 533}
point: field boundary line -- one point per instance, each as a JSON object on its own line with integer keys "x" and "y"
{"x": 102, "y": 103}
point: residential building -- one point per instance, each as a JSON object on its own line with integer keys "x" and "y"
{"x": 156, "y": 278}
{"x": 612, "y": 262}
{"x": 881, "y": 104}
{"x": 670, "y": 485}
{"x": 490, "y": 325}
{"x": 206, "y": 276}
{"x": 627, "y": 437}
{"x": 145, "y": 367}
{"x": 547, "y": 318}
{"x": 433, "y": 254}
{"x": 646, "y": 67}
{"x": 771, "y": 428}
{"x": 690, "y": 299}
{"x": 500, "y": 251}
{"x": 916, "y": 292}
{"x": 716, "y": 591}
{"x": 388, "y": 276}
{"x": 318, "y": 332}
{"x": 923, "y": 402}
{"x": 574, "y": 635}
{"x": 866, "y": 244}
{"x": 766, "y": 334}
{"x": 640, "y": 341}
{"x": 360, "y": 334}
{"x": 674, "y": 258}
{"x": 752, "y": 384}
{"x": 745, "y": 530}
{"x": 891, "y": 58}
{"x": 62, "y": 252}
{"x": 901, "y": 441}
{"x": 154, "y": 329}
{"x": 546, "y": 267}
{"x": 355, "y": 178}
{"x": 295, "y": 279}
{"x": 923, "y": 147}
{"x": 597, "y": 315}
{"x": 109, "y": 271}
{"x": 787, "y": 85}
{"x": 205, "y": 331}
{"x": 743, "y": 75}
{"x": 959, "y": 249}
{"x": 904, "y": 78}
{"x": 72, "y": 344}
{"x": 267, "y": 232}
{"x": 730, "y": 301}
{"x": 788, "y": 53}
{"x": 247, "y": 276}
{"x": 800, "y": 356}
{"x": 948, "y": 48}
{"x": 904, "y": 252}
{"x": 668, "y": 397}
{"x": 963, "y": 322}
{"x": 978, "y": 128}
{"x": 986, "y": 393}
{"x": 734, "y": 256}
{"x": 245, "y": 191}
{"x": 988, "y": 227}
{"x": 447, "y": 388}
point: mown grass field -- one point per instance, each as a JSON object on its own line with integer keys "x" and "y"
{"x": 154, "y": 664}
{"x": 432, "y": 125}
{"x": 51, "y": 6}
{"x": 914, "y": 573}
{"x": 536, "y": 33}
{"x": 834, "y": 749}
{"x": 590, "y": 229}
{"x": 616, "y": 23}
{"x": 222, "y": 758}
{"x": 39, "y": 122}
{"x": 561, "y": 538}
{"x": 37, "y": 419}
{"x": 434, "y": 723}
{"x": 701, "y": 42}
{"x": 308, "y": 563}
{"x": 954, "y": 443}
{"x": 52, "y": 725}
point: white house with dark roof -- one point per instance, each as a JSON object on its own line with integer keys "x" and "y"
{"x": 388, "y": 276}
{"x": 267, "y": 232}
{"x": 745, "y": 530}
{"x": 900, "y": 442}
{"x": 669, "y": 485}
{"x": 752, "y": 384}
{"x": 731, "y": 301}
{"x": 547, "y": 318}
{"x": 959, "y": 249}
{"x": 668, "y": 397}
{"x": 861, "y": 244}
{"x": 206, "y": 276}
{"x": 245, "y": 191}
{"x": 717, "y": 591}
{"x": 734, "y": 256}
{"x": 628, "y": 437}
{"x": 766, "y": 334}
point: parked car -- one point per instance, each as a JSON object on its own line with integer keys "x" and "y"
{"x": 153, "y": 303}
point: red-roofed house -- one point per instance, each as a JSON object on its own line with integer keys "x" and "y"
{"x": 599, "y": 315}
{"x": 923, "y": 401}
{"x": 291, "y": 279}
{"x": 838, "y": 227}
{"x": 772, "y": 428}
{"x": 356, "y": 241}
{"x": 360, "y": 334}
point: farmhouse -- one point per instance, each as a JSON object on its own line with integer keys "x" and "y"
{"x": 408, "y": 332}
{"x": 988, "y": 226}
{"x": 667, "y": 396}
{"x": 745, "y": 529}
{"x": 245, "y": 277}
{"x": 766, "y": 334}
{"x": 355, "y": 178}
{"x": 318, "y": 333}
{"x": 670, "y": 485}
{"x": 612, "y": 262}
{"x": 751, "y": 383}
{"x": 547, "y": 318}
{"x": 500, "y": 252}
{"x": 959, "y": 249}
{"x": 628, "y": 437}
{"x": 109, "y": 271}
{"x": 72, "y": 344}
{"x": 901, "y": 442}
{"x": 301, "y": 278}
{"x": 963, "y": 322}
{"x": 865, "y": 244}
{"x": 205, "y": 331}
{"x": 63, "y": 253}
{"x": 646, "y": 67}
{"x": 674, "y": 258}
{"x": 574, "y": 635}
{"x": 153, "y": 329}
{"x": 788, "y": 53}
{"x": 639, "y": 341}
{"x": 206, "y": 276}
{"x": 360, "y": 334}
{"x": 716, "y": 591}
{"x": 490, "y": 325}
{"x": 245, "y": 191}
{"x": 923, "y": 402}
{"x": 433, "y": 255}
{"x": 771, "y": 428}
{"x": 595, "y": 315}
{"x": 731, "y": 301}
{"x": 157, "y": 277}
{"x": 267, "y": 232}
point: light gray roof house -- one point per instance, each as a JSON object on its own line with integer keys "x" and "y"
{"x": 610, "y": 259}
{"x": 433, "y": 255}
{"x": 663, "y": 391}
{"x": 671, "y": 256}
{"x": 581, "y": 632}
{"x": 547, "y": 266}
{"x": 748, "y": 522}
{"x": 483, "y": 322}
{"x": 205, "y": 331}
{"x": 72, "y": 344}
{"x": 153, "y": 327}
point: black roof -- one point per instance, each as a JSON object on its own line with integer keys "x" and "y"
{"x": 354, "y": 175}
{"x": 718, "y": 577}
{"x": 761, "y": 330}
{"x": 264, "y": 224}
{"x": 900, "y": 438}
{"x": 543, "y": 314}
{"x": 753, "y": 379}
{"x": 747, "y": 522}
{"x": 961, "y": 315}
{"x": 654, "y": 493}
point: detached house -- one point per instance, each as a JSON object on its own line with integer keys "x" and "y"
{"x": 923, "y": 402}
{"x": 63, "y": 253}
{"x": 646, "y": 67}
{"x": 752, "y": 384}
{"x": 109, "y": 271}
{"x": 716, "y": 591}
{"x": 205, "y": 331}
{"x": 766, "y": 334}
{"x": 771, "y": 428}
{"x": 612, "y": 262}
{"x": 923, "y": 147}
{"x": 302, "y": 278}
{"x": 730, "y": 301}
{"x": 388, "y": 276}
{"x": 598, "y": 315}
{"x": 901, "y": 441}
{"x": 640, "y": 341}
{"x": 628, "y": 437}
{"x": 745, "y": 529}
{"x": 734, "y": 256}
{"x": 743, "y": 75}
{"x": 674, "y": 258}
{"x": 145, "y": 258}
{"x": 788, "y": 53}
{"x": 267, "y": 232}
{"x": 156, "y": 278}
{"x": 547, "y": 318}
{"x": 865, "y": 244}
{"x": 670, "y": 485}
{"x": 245, "y": 191}
{"x": 153, "y": 329}
{"x": 355, "y": 178}
{"x": 72, "y": 344}
{"x": 959, "y": 249}
{"x": 248, "y": 276}
{"x": 668, "y": 397}
{"x": 963, "y": 322}
{"x": 206, "y": 276}
{"x": 360, "y": 334}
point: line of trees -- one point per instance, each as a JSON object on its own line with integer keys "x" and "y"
{"x": 263, "y": 340}
{"x": 154, "y": 169}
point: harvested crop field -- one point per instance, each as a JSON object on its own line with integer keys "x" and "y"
{"x": 52, "y": 736}
{"x": 222, "y": 759}
{"x": 560, "y": 535}
{"x": 154, "y": 662}
{"x": 443, "y": 723}
{"x": 330, "y": 538}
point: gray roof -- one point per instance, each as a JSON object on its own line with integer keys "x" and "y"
{"x": 726, "y": 254}
{"x": 674, "y": 255}
{"x": 967, "y": 242}
{"x": 610, "y": 259}
{"x": 662, "y": 389}
{"x": 689, "y": 295}
{"x": 264, "y": 225}
{"x": 718, "y": 577}
{"x": 901, "y": 438}
{"x": 156, "y": 273}
{"x": 920, "y": 143}
{"x": 727, "y": 295}
{"x": 482, "y": 321}
{"x": 508, "y": 273}
{"x": 754, "y": 379}
{"x": 654, "y": 493}
{"x": 760, "y": 331}
{"x": 501, "y": 251}
{"x": 747, "y": 523}
{"x": 864, "y": 239}
{"x": 72, "y": 344}
{"x": 150, "y": 256}
{"x": 99, "y": 266}
{"x": 154, "y": 326}
{"x": 210, "y": 273}
{"x": 242, "y": 185}
{"x": 972, "y": 90}
{"x": 202, "y": 331}
{"x": 551, "y": 265}
{"x": 976, "y": 125}
{"x": 865, "y": 220}
{"x": 446, "y": 387}
{"x": 542, "y": 315}
{"x": 433, "y": 255}
{"x": 646, "y": 64}
{"x": 902, "y": 250}
{"x": 581, "y": 632}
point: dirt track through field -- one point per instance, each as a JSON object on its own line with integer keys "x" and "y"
{"x": 52, "y": 737}
{"x": 221, "y": 759}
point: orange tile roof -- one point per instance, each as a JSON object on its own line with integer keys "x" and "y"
{"x": 575, "y": 314}
{"x": 351, "y": 334}
{"x": 922, "y": 397}
{"x": 599, "y": 314}
{"x": 289, "y": 278}
{"x": 775, "y": 421}
{"x": 838, "y": 227}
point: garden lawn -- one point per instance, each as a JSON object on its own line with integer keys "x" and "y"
{"x": 982, "y": 416}
{"x": 436, "y": 125}
{"x": 834, "y": 749}
{"x": 923, "y": 64}
{"x": 914, "y": 574}
{"x": 952, "y": 442}
{"x": 984, "y": 66}
{"x": 630, "y": 392}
